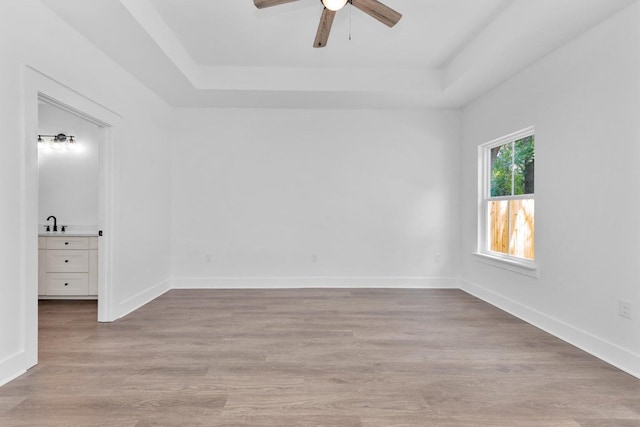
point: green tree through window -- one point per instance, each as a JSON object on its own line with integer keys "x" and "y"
{"x": 512, "y": 168}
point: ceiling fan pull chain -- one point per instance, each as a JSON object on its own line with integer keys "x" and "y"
{"x": 350, "y": 10}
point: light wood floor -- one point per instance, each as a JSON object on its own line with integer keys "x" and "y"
{"x": 312, "y": 358}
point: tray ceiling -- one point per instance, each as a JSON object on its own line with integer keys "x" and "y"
{"x": 227, "y": 53}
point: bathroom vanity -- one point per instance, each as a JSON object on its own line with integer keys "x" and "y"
{"x": 67, "y": 266}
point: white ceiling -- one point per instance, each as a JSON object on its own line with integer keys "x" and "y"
{"x": 283, "y": 36}
{"x": 443, "y": 53}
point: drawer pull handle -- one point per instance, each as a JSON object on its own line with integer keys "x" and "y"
{"x": 66, "y": 284}
{"x": 66, "y": 260}
{"x": 66, "y": 243}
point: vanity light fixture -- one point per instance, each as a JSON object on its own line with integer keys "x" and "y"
{"x": 57, "y": 140}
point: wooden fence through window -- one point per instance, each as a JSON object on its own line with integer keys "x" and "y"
{"x": 511, "y": 227}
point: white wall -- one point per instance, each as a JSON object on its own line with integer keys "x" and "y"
{"x": 31, "y": 35}
{"x": 68, "y": 180}
{"x": 10, "y": 272}
{"x": 258, "y": 193}
{"x": 584, "y": 100}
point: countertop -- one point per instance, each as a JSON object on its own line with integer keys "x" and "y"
{"x": 69, "y": 234}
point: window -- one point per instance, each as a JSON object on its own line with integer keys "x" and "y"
{"x": 507, "y": 197}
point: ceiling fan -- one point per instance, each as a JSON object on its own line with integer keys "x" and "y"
{"x": 373, "y": 8}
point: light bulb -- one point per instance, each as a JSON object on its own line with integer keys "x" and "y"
{"x": 41, "y": 144}
{"x": 72, "y": 144}
{"x": 55, "y": 145}
{"x": 334, "y": 4}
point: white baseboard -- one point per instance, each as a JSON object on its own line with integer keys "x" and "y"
{"x": 135, "y": 302}
{"x": 313, "y": 282}
{"x": 611, "y": 353}
{"x": 12, "y": 367}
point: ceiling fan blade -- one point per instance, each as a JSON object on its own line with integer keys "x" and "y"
{"x": 261, "y": 4}
{"x": 326, "y": 20}
{"x": 377, "y": 10}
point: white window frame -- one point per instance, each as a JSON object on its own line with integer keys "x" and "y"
{"x": 483, "y": 254}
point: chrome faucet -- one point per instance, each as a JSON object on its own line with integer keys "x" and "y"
{"x": 55, "y": 223}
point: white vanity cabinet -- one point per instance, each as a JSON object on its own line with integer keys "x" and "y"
{"x": 68, "y": 266}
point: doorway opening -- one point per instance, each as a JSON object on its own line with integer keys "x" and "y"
{"x": 64, "y": 107}
{"x": 68, "y": 204}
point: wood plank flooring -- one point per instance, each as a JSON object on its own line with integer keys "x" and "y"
{"x": 308, "y": 357}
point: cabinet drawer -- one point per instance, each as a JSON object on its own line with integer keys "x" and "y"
{"x": 67, "y": 243}
{"x": 67, "y": 261}
{"x": 67, "y": 283}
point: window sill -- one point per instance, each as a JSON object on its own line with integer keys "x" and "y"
{"x": 524, "y": 267}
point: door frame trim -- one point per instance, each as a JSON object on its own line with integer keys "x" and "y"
{"x": 39, "y": 87}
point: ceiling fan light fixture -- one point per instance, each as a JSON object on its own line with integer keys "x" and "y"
{"x": 373, "y": 8}
{"x": 334, "y": 5}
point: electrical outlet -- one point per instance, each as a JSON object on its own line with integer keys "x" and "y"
{"x": 207, "y": 258}
{"x": 314, "y": 258}
{"x": 624, "y": 309}
{"x": 436, "y": 258}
